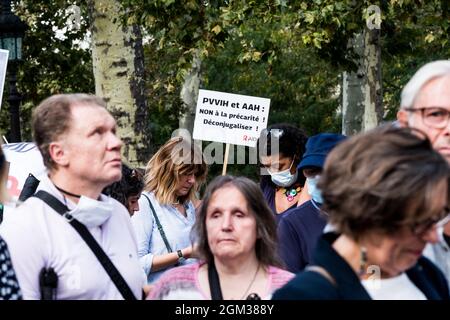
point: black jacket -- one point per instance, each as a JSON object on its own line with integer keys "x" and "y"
{"x": 310, "y": 285}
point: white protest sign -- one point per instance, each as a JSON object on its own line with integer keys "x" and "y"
{"x": 230, "y": 118}
{"x": 3, "y": 63}
{"x": 23, "y": 158}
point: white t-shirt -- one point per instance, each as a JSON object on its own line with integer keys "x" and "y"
{"x": 396, "y": 288}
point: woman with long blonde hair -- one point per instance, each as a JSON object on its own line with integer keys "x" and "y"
{"x": 167, "y": 211}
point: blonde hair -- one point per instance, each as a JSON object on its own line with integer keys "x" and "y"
{"x": 175, "y": 158}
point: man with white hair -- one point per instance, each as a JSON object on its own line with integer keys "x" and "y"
{"x": 425, "y": 105}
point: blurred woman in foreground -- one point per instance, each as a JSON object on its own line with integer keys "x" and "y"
{"x": 385, "y": 192}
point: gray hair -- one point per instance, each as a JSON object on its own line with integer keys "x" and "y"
{"x": 427, "y": 72}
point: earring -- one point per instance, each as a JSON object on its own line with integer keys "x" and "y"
{"x": 362, "y": 261}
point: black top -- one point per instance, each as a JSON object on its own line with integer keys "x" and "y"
{"x": 298, "y": 233}
{"x": 447, "y": 239}
{"x": 310, "y": 285}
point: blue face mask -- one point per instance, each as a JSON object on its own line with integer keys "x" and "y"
{"x": 315, "y": 192}
{"x": 284, "y": 178}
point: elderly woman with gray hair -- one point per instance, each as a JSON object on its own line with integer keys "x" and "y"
{"x": 385, "y": 192}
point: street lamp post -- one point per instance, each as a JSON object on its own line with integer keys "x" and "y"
{"x": 11, "y": 34}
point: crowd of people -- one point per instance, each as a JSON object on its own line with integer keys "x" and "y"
{"x": 333, "y": 217}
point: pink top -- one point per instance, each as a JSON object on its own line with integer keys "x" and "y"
{"x": 182, "y": 283}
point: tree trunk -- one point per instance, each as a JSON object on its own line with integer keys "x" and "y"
{"x": 189, "y": 95}
{"x": 362, "y": 98}
{"x": 373, "y": 106}
{"x": 353, "y": 91}
{"x": 118, "y": 63}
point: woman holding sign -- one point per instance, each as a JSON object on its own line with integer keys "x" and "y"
{"x": 166, "y": 208}
{"x": 281, "y": 149}
{"x": 9, "y": 287}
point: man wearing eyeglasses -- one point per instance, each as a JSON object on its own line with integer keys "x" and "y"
{"x": 425, "y": 105}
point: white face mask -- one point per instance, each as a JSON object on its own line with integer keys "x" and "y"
{"x": 284, "y": 178}
{"x": 92, "y": 213}
{"x": 314, "y": 192}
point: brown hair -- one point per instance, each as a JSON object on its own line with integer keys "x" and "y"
{"x": 3, "y": 177}
{"x": 175, "y": 158}
{"x": 265, "y": 246}
{"x": 382, "y": 180}
{"x": 52, "y": 117}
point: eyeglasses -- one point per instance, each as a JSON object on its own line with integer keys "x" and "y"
{"x": 435, "y": 117}
{"x": 422, "y": 227}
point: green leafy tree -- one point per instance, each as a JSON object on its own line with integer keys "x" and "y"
{"x": 53, "y": 62}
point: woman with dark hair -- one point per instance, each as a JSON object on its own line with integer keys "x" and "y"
{"x": 281, "y": 147}
{"x": 385, "y": 193}
{"x": 128, "y": 189}
{"x": 9, "y": 287}
{"x": 236, "y": 237}
{"x": 166, "y": 208}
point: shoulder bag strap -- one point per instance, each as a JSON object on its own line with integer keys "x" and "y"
{"x": 109, "y": 267}
{"x": 324, "y": 273}
{"x": 214, "y": 282}
{"x": 158, "y": 224}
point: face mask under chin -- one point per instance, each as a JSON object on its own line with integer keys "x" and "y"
{"x": 93, "y": 213}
